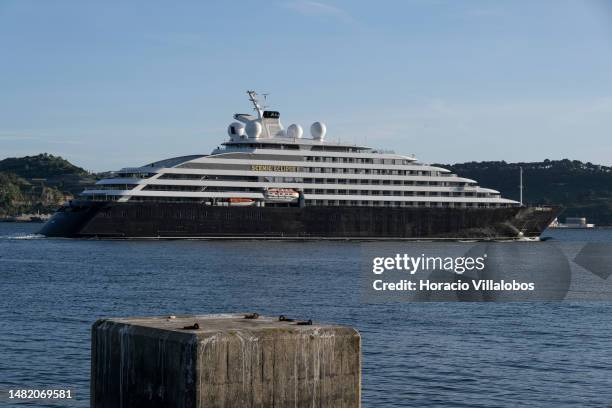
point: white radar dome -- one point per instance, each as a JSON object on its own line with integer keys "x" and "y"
{"x": 253, "y": 129}
{"x": 317, "y": 130}
{"x": 236, "y": 130}
{"x": 295, "y": 131}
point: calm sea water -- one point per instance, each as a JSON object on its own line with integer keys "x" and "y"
{"x": 415, "y": 354}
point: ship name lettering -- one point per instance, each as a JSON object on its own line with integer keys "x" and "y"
{"x": 268, "y": 167}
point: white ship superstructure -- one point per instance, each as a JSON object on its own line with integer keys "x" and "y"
{"x": 264, "y": 164}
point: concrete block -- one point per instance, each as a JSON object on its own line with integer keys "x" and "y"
{"x": 225, "y": 361}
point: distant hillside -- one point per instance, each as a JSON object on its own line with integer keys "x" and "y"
{"x": 42, "y": 166}
{"x": 585, "y": 189}
{"x": 46, "y": 170}
{"x": 38, "y": 183}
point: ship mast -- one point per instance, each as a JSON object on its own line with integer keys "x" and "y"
{"x": 253, "y": 99}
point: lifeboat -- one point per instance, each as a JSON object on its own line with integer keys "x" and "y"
{"x": 239, "y": 201}
{"x": 281, "y": 195}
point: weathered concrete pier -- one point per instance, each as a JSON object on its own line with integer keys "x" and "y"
{"x": 228, "y": 360}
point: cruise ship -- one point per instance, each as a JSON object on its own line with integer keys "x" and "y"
{"x": 266, "y": 181}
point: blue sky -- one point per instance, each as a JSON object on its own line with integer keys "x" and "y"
{"x": 112, "y": 84}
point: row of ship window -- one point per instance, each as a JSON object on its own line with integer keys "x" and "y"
{"x": 200, "y": 177}
{"x": 394, "y": 172}
{"x": 171, "y": 188}
{"x": 400, "y": 193}
{"x": 364, "y": 203}
{"x": 357, "y": 203}
{"x": 386, "y": 182}
{"x": 394, "y": 193}
{"x": 294, "y": 180}
{"x": 327, "y": 191}
{"x": 359, "y": 160}
{"x": 390, "y": 172}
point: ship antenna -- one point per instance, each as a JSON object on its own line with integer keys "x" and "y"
{"x": 253, "y": 99}
{"x": 521, "y": 185}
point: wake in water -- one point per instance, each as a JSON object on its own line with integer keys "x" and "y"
{"x": 22, "y": 236}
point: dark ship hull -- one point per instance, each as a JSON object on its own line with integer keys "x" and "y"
{"x": 90, "y": 219}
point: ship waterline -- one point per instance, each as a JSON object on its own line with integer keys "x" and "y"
{"x": 266, "y": 181}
